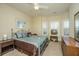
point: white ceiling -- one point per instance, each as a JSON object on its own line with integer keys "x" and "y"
{"x": 53, "y": 8}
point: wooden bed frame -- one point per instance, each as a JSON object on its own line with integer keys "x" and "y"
{"x": 28, "y": 48}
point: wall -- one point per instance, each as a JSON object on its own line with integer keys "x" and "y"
{"x": 72, "y": 11}
{"x": 8, "y": 17}
{"x": 37, "y": 23}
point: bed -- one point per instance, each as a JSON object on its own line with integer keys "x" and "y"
{"x": 32, "y": 45}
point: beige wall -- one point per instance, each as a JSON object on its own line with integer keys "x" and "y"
{"x": 37, "y": 23}
{"x": 73, "y": 10}
{"x": 8, "y": 17}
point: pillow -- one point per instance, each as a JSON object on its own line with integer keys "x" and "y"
{"x": 29, "y": 34}
{"x": 24, "y": 34}
{"x": 18, "y": 35}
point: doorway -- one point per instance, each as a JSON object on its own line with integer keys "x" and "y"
{"x": 54, "y": 31}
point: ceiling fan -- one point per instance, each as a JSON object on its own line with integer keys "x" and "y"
{"x": 38, "y": 6}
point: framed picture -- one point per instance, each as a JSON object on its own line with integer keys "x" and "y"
{"x": 20, "y": 24}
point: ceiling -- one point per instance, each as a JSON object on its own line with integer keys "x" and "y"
{"x": 53, "y": 8}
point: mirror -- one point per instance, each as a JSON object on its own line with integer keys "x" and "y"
{"x": 76, "y": 20}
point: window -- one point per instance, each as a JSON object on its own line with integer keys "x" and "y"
{"x": 54, "y": 25}
{"x": 45, "y": 28}
{"x": 66, "y": 27}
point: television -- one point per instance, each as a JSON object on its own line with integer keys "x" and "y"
{"x": 54, "y": 31}
{"x": 76, "y": 28}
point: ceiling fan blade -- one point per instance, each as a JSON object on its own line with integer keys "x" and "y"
{"x": 35, "y": 4}
{"x": 42, "y": 6}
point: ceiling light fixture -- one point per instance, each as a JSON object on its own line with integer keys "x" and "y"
{"x": 36, "y": 7}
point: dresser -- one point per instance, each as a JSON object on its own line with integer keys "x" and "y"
{"x": 70, "y": 47}
{"x": 6, "y": 45}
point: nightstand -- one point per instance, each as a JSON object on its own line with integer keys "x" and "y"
{"x": 54, "y": 35}
{"x": 6, "y": 46}
{"x": 54, "y": 38}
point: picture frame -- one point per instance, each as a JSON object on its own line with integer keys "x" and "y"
{"x": 76, "y": 26}
{"x": 20, "y": 24}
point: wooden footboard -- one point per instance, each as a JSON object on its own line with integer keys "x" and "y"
{"x": 28, "y": 48}
{"x": 25, "y": 47}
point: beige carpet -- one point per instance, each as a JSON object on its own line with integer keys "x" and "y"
{"x": 53, "y": 49}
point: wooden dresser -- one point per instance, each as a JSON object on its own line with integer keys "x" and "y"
{"x": 70, "y": 47}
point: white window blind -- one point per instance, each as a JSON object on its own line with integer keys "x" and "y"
{"x": 54, "y": 25}
{"x": 45, "y": 28}
{"x": 66, "y": 27}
